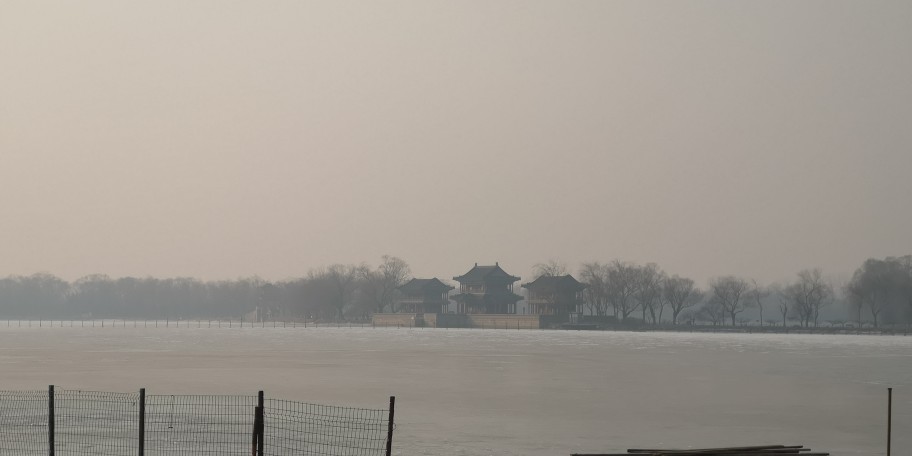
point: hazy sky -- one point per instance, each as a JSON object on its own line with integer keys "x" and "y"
{"x": 220, "y": 139}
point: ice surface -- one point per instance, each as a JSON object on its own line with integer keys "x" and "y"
{"x": 509, "y": 392}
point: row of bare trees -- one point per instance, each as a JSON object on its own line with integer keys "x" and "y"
{"x": 800, "y": 300}
{"x": 331, "y": 293}
{"x": 345, "y": 291}
{"x": 622, "y": 289}
{"x": 44, "y": 295}
{"x": 879, "y": 292}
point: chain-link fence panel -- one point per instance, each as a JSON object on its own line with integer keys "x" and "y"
{"x": 24, "y": 423}
{"x": 297, "y": 428}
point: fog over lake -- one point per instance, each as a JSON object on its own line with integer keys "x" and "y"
{"x": 612, "y": 165}
{"x": 477, "y": 392}
{"x": 195, "y": 139}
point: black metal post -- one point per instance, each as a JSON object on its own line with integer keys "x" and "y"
{"x": 389, "y": 432}
{"x": 262, "y": 428}
{"x": 889, "y": 418}
{"x": 142, "y": 421}
{"x": 51, "y": 420}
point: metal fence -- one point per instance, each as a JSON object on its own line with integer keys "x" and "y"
{"x": 67, "y": 422}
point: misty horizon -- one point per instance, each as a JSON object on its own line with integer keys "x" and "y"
{"x": 210, "y": 199}
{"x": 531, "y": 273}
{"x": 199, "y": 140}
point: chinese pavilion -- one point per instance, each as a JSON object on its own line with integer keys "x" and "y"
{"x": 424, "y": 296}
{"x": 486, "y": 289}
{"x": 555, "y": 295}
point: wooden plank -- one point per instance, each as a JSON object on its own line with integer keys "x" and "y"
{"x": 711, "y": 450}
{"x": 794, "y": 450}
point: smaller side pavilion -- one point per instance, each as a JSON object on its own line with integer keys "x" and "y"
{"x": 422, "y": 296}
{"x": 555, "y": 295}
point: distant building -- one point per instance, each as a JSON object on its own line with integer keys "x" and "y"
{"x": 422, "y": 296}
{"x": 555, "y": 295}
{"x": 486, "y": 290}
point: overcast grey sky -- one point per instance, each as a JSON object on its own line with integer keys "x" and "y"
{"x": 219, "y": 139}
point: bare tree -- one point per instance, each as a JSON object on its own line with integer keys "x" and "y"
{"x": 857, "y": 296}
{"x": 595, "y": 275}
{"x": 552, "y": 268}
{"x": 905, "y": 264}
{"x": 268, "y": 298}
{"x": 882, "y": 285}
{"x": 729, "y": 292}
{"x": 318, "y": 294}
{"x": 648, "y": 291}
{"x": 622, "y": 287}
{"x": 808, "y": 295}
{"x": 343, "y": 277}
{"x": 379, "y": 285}
{"x": 755, "y": 297}
{"x": 712, "y": 310}
{"x": 680, "y": 293}
{"x": 784, "y": 300}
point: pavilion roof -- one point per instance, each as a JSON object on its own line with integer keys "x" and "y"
{"x": 415, "y": 286}
{"x": 483, "y": 273}
{"x": 548, "y": 283}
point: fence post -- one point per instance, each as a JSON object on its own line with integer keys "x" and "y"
{"x": 889, "y": 418}
{"x": 255, "y": 442}
{"x": 261, "y": 430}
{"x": 51, "y": 420}
{"x": 142, "y": 421}
{"x": 389, "y": 432}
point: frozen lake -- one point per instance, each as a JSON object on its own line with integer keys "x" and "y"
{"x": 474, "y": 392}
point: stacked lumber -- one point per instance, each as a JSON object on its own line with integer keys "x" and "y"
{"x": 779, "y": 450}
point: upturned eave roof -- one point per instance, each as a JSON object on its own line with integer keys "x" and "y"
{"x": 481, "y": 273}
{"x": 555, "y": 283}
{"x": 424, "y": 285}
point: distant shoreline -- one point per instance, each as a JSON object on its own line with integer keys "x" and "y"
{"x": 293, "y": 324}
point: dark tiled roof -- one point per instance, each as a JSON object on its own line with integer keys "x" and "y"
{"x": 481, "y": 273}
{"x": 416, "y": 286}
{"x": 555, "y": 283}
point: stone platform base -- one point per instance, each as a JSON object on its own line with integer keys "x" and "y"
{"x": 485, "y": 321}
